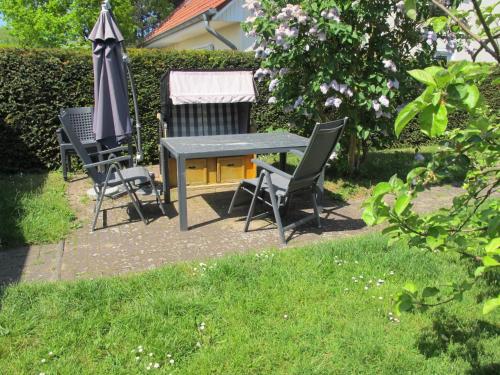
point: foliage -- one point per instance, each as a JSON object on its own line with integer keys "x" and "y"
{"x": 332, "y": 324}
{"x": 326, "y": 59}
{"x": 36, "y": 83}
{"x": 474, "y": 28}
{"x": 471, "y": 226}
{"x": 56, "y": 23}
{"x": 34, "y": 209}
{"x": 6, "y": 39}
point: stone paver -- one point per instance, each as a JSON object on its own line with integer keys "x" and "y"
{"x": 126, "y": 245}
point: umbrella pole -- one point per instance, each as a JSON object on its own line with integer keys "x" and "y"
{"x": 138, "y": 158}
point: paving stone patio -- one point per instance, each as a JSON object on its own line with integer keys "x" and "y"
{"x": 126, "y": 245}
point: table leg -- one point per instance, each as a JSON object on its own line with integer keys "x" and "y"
{"x": 181, "y": 193}
{"x": 283, "y": 161}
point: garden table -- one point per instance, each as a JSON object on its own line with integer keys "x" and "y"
{"x": 182, "y": 148}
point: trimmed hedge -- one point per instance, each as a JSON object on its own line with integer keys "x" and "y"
{"x": 35, "y": 84}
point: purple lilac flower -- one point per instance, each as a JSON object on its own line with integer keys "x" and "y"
{"x": 298, "y": 102}
{"x": 384, "y": 101}
{"x": 393, "y": 84}
{"x": 431, "y": 38}
{"x": 333, "y": 102}
{"x": 273, "y": 84}
{"x": 389, "y": 64}
{"x": 324, "y": 88}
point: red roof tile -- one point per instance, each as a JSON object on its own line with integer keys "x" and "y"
{"x": 187, "y": 10}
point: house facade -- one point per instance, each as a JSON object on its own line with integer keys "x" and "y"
{"x": 203, "y": 24}
{"x": 216, "y": 25}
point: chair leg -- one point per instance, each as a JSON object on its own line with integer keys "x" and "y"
{"x": 233, "y": 201}
{"x": 131, "y": 196}
{"x": 276, "y": 208}
{"x": 251, "y": 210}
{"x": 63, "y": 165}
{"x": 132, "y": 190}
{"x": 158, "y": 199}
{"x": 97, "y": 208}
{"x": 315, "y": 207}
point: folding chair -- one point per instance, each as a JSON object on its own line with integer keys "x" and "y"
{"x": 279, "y": 186}
{"x": 113, "y": 174}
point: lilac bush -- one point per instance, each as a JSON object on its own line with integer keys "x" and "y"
{"x": 329, "y": 59}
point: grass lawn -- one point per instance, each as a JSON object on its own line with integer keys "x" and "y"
{"x": 298, "y": 311}
{"x": 34, "y": 209}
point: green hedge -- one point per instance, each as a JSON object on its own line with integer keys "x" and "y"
{"x": 36, "y": 84}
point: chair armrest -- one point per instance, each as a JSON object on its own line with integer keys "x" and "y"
{"x": 60, "y": 136}
{"x": 107, "y": 162}
{"x": 110, "y": 151}
{"x": 297, "y": 152}
{"x": 270, "y": 168}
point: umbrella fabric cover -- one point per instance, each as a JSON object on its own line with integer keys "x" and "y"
{"x": 111, "y": 122}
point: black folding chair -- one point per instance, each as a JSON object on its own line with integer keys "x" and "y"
{"x": 279, "y": 186}
{"x": 113, "y": 173}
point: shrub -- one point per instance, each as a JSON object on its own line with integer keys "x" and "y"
{"x": 36, "y": 83}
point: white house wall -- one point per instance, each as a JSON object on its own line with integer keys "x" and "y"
{"x": 231, "y": 32}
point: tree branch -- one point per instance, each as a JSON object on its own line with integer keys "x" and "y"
{"x": 466, "y": 29}
{"x": 485, "y": 26}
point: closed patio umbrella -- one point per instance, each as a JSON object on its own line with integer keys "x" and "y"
{"x": 112, "y": 123}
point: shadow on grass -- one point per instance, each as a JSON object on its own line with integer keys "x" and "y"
{"x": 459, "y": 339}
{"x": 15, "y": 190}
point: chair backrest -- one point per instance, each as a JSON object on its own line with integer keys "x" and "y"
{"x": 201, "y": 119}
{"x": 208, "y": 119}
{"x": 323, "y": 140}
{"x": 82, "y": 153}
{"x": 81, "y": 121}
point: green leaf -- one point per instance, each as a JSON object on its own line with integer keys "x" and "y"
{"x": 493, "y": 248}
{"x": 411, "y": 9}
{"x": 490, "y": 261}
{"x": 381, "y": 188}
{"x": 429, "y": 292}
{"x": 439, "y": 23}
{"x": 390, "y": 229}
{"x": 436, "y": 98}
{"x": 410, "y": 288}
{"x": 415, "y": 172}
{"x": 479, "y": 271}
{"x": 405, "y": 116}
{"x": 472, "y": 97}
{"x": 401, "y": 203}
{"x": 368, "y": 216}
{"x": 423, "y": 77}
{"x": 491, "y": 305}
{"x": 434, "y": 120}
